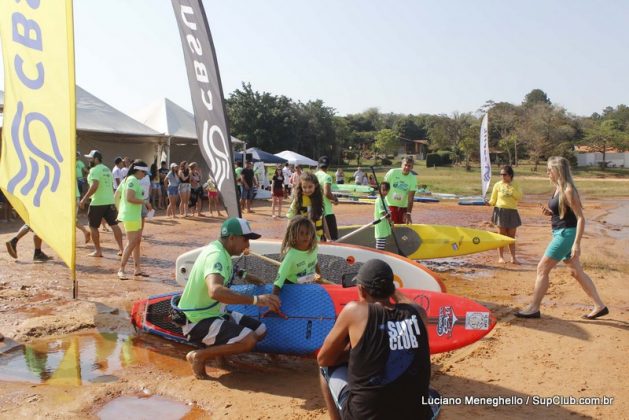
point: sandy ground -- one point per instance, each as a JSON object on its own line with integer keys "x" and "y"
{"x": 559, "y": 355}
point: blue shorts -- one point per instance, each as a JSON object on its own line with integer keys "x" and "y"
{"x": 248, "y": 193}
{"x": 336, "y": 377}
{"x": 560, "y": 248}
{"x": 173, "y": 190}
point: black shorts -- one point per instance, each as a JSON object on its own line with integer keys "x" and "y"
{"x": 227, "y": 329}
{"x": 96, "y": 213}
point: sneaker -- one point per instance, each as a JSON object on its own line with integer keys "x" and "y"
{"x": 11, "y": 247}
{"x": 40, "y": 257}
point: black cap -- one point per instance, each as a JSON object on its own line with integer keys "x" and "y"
{"x": 117, "y": 160}
{"x": 324, "y": 161}
{"x": 376, "y": 276}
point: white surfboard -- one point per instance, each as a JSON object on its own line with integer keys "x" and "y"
{"x": 335, "y": 260}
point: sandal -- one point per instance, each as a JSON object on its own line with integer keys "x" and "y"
{"x": 141, "y": 274}
{"x": 122, "y": 275}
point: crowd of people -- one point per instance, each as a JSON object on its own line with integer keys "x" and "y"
{"x": 355, "y": 353}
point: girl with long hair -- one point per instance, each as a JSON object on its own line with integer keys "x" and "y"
{"x": 568, "y": 223}
{"x": 308, "y": 201}
{"x": 299, "y": 255}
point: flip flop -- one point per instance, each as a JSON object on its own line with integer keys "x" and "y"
{"x": 122, "y": 275}
{"x": 141, "y": 274}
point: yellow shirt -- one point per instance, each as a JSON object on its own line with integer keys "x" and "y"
{"x": 505, "y": 196}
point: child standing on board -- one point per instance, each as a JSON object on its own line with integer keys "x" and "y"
{"x": 299, "y": 255}
{"x": 382, "y": 230}
{"x": 308, "y": 201}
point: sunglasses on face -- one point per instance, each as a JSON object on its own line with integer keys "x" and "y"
{"x": 503, "y": 174}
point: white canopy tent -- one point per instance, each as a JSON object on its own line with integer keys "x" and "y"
{"x": 101, "y": 126}
{"x": 178, "y": 126}
{"x": 296, "y": 159}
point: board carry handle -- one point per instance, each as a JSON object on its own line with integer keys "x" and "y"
{"x": 386, "y": 209}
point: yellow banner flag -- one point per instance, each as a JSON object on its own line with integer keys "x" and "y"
{"x": 37, "y": 168}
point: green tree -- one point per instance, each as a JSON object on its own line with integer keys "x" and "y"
{"x": 387, "y": 141}
{"x": 536, "y": 96}
{"x": 601, "y": 135}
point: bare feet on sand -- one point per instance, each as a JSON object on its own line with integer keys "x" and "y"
{"x": 501, "y": 261}
{"x": 198, "y": 366}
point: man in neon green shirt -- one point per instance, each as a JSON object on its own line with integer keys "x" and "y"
{"x": 402, "y": 195}
{"x": 325, "y": 180}
{"x": 207, "y": 292}
{"x": 102, "y": 205}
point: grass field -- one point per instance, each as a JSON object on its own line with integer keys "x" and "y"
{"x": 456, "y": 180}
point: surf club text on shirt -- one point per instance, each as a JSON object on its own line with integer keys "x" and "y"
{"x": 403, "y": 334}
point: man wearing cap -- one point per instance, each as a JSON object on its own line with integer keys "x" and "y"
{"x": 208, "y": 325}
{"x": 101, "y": 192}
{"x": 385, "y": 370}
{"x": 325, "y": 180}
{"x": 402, "y": 193}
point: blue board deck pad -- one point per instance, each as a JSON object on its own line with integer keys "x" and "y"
{"x": 310, "y": 316}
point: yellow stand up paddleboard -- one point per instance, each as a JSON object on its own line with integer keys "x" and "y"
{"x": 423, "y": 242}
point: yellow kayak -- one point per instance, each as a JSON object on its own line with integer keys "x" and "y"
{"x": 422, "y": 242}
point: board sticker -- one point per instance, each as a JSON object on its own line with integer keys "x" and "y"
{"x": 446, "y": 321}
{"x": 477, "y": 321}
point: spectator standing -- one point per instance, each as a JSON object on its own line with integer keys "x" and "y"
{"x": 196, "y": 189}
{"x": 277, "y": 193}
{"x": 295, "y": 177}
{"x": 184, "y": 188}
{"x": 117, "y": 172}
{"x": 287, "y": 173}
{"x": 249, "y": 182}
{"x": 325, "y": 181}
{"x": 402, "y": 195}
{"x": 101, "y": 193}
{"x": 172, "y": 188}
{"x": 505, "y": 196}
{"x": 156, "y": 188}
{"x": 163, "y": 171}
{"x": 340, "y": 176}
{"x": 358, "y": 176}
{"x": 212, "y": 195}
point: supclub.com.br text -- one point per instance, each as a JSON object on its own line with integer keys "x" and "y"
{"x": 520, "y": 400}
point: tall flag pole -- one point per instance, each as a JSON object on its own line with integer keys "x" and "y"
{"x": 485, "y": 162}
{"x": 207, "y": 98}
{"x": 37, "y": 168}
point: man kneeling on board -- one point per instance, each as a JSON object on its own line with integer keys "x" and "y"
{"x": 375, "y": 362}
{"x": 221, "y": 333}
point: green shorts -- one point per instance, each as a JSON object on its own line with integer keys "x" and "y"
{"x": 132, "y": 226}
{"x": 560, "y": 248}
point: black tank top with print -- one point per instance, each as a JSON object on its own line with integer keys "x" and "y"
{"x": 389, "y": 369}
{"x": 569, "y": 219}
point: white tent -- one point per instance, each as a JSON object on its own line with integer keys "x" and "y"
{"x": 296, "y": 159}
{"x": 103, "y": 127}
{"x": 178, "y": 125}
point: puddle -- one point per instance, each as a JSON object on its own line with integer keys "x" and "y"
{"x": 91, "y": 357}
{"x": 155, "y": 407}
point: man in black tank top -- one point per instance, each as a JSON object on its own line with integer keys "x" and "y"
{"x": 375, "y": 362}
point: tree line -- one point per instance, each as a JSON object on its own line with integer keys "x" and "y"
{"x": 533, "y": 130}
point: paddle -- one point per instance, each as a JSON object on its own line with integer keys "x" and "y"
{"x": 360, "y": 229}
{"x": 386, "y": 209}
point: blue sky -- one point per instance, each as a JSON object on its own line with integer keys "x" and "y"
{"x": 402, "y": 56}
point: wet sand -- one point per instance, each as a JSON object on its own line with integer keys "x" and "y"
{"x": 82, "y": 356}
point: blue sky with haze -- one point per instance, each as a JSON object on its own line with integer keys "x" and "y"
{"x": 400, "y": 56}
